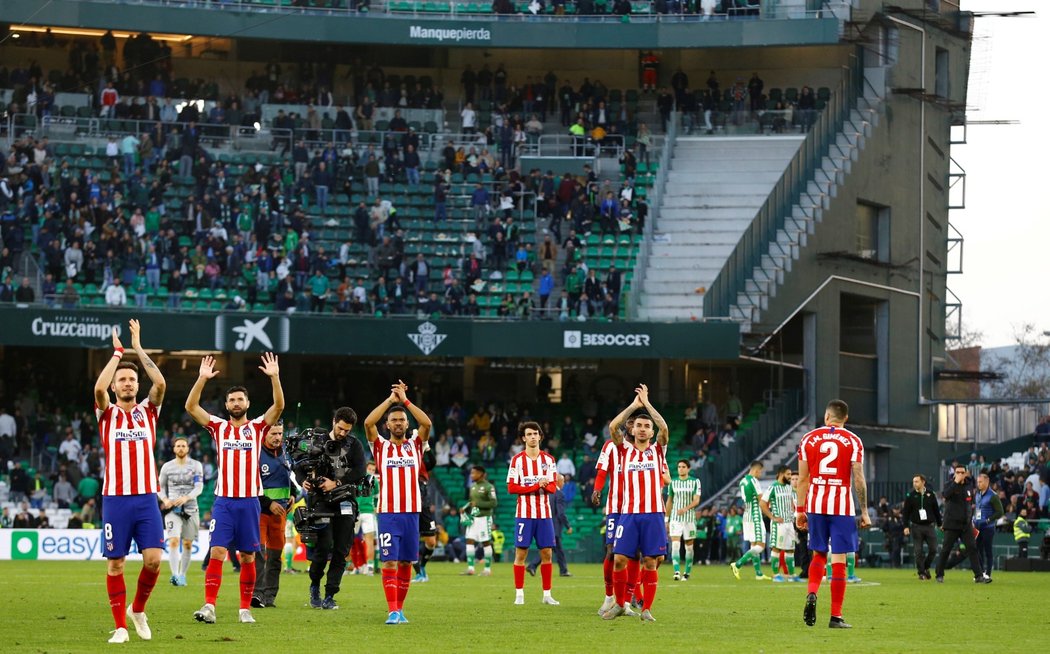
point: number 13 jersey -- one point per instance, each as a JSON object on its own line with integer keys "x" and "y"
{"x": 830, "y": 453}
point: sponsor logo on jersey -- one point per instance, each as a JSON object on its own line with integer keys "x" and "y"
{"x": 400, "y": 462}
{"x": 128, "y": 435}
{"x": 639, "y": 466}
{"x": 237, "y": 445}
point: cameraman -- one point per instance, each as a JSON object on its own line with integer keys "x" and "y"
{"x": 958, "y": 500}
{"x": 347, "y": 457}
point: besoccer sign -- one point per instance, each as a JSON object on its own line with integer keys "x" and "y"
{"x": 574, "y": 339}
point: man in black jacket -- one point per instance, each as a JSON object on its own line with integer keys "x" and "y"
{"x": 958, "y": 505}
{"x": 334, "y": 541}
{"x": 921, "y": 517}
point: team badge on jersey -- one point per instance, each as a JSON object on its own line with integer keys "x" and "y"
{"x": 137, "y": 416}
{"x": 246, "y": 431}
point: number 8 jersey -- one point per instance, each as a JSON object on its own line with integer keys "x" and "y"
{"x": 830, "y": 453}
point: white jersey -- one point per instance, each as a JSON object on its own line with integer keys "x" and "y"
{"x": 182, "y": 480}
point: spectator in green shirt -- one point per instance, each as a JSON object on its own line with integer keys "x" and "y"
{"x": 319, "y": 287}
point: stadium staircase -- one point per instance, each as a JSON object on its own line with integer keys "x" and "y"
{"x": 715, "y": 186}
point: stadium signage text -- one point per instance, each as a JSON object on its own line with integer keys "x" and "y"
{"x": 457, "y": 34}
{"x": 574, "y": 339}
{"x": 69, "y": 545}
{"x": 70, "y": 326}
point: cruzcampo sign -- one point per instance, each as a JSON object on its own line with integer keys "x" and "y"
{"x": 368, "y": 336}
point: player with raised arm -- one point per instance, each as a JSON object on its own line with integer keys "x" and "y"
{"x": 128, "y": 433}
{"x": 608, "y": 467}
{"x": 682, "y": 499}
{"x": 235, "y": 514}
{"x": 778, "y": 504}
{"x": 181, "y": 482}
{"x": 754, "y": 528}
{"x": 640, "y": 531}
{"x": 532, "y": 477}
{"x": 830, "y": 465}
{"x": 399, "y": 460}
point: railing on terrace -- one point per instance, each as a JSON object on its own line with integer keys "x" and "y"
{"x": 789, "y": 189}
{"x": 986, "y": 422}
{"x": 654, "y": 199}
{"x": 641, "y": 10}
{"x": 785, "y": 411}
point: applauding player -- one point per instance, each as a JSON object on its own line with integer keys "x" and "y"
{"x": 235, "y": 514}
{"x": 399, "y": 460}
{"x": 532, "y": 476}
{"x": 128, "y": 432}
{"x": 641, "y": 525}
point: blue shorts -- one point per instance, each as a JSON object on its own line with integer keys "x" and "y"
{"x": 127, "y": 517}
{"x": 398, "y": 537}
{"x": 539, "y": 529}
{"x": 235, "y": 523}
{"x": 640, "y": 532}
{"x": 841, "y": 530}
{"x": 610, "y": 527}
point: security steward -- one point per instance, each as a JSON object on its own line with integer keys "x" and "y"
{"x": 988, "y": 508}
{"x": 334, "y": 541}
{"x": 275, "y": 471}
{"x": 922, "y": 514}
{"x": 958, "y": 508}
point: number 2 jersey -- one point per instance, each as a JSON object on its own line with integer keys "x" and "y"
{"x": 830, "y": 453}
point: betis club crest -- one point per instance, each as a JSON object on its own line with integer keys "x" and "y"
{"x": 427, "y": 339}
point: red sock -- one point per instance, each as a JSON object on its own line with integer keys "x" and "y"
{"x": 147, "y": 580}
{"x": 607, "y": 568}
{"x": 838, "y": 588}
{"x": 620, "y": 586}
{"x": 247, "y": 584}
{"x": 649, "y": 579}
{"x": 632, "y": 577}
{"x": 816, "y": 570}
{"x": 118, "y": 597}
{"x": 783, "y": 563}
{"x": 390, "y": 583}
{"x": 404, "y": 580}
{"x": 212, "y": 580}
{"x": 519, "y": 576}
{"x": 546, "y": 571}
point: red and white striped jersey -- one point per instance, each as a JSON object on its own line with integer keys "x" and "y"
{"x": 399, "y": 469}
{"x": 642, "y": 478}
{"x": 526, "y": 471}
{"x": 609, "y": 461}
{"x": 238, "y": 456}
{"x": 128, "y": 438}
{"x": 830, "y": 453}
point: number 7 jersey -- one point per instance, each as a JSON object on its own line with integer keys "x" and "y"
{"x": 830, "y": 453}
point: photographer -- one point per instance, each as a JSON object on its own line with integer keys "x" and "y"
{"x": 958, "y": 499}
{"x": 346, "y": 459}
{"x": 921, "y": 517}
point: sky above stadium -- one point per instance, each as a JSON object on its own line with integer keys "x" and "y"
{"x": 1006, "y": 222}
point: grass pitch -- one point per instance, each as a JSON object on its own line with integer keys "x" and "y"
{"x": 62, "y": 607}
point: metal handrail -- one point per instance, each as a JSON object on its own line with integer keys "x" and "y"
{"x": 788, "y": 191}
{"x": 643, "y": 11}
{"x": 654, "y": 200}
